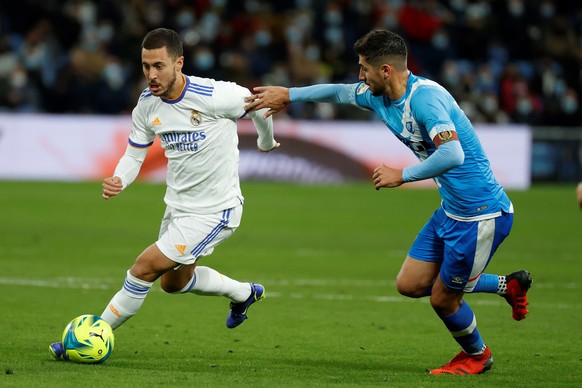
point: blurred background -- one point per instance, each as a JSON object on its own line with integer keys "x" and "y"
{"x": 507, "y": 62}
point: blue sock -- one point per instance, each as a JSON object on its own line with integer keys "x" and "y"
{"x": 463, "y": 327}
{"x": 487, "y": 283}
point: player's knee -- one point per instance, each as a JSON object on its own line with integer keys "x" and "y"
{"x": 409, "y": 288}
{"x": 444, "y": 304}
{"x": 170, "y": 287}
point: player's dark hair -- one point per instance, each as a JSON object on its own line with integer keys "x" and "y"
{"x": 382, "y": 45}
{"x": 164, "y": 37}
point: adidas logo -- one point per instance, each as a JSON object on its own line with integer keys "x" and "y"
{"x": 181, "y": 248}
{"x": 156, "y": 121}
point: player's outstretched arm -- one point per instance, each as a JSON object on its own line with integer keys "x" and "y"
{"x": 112, "y": 186}
{"x": 579, "y": 194}
{"x": 274, "y": 98}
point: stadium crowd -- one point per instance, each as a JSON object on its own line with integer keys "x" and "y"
{"x": 505, "y": 61}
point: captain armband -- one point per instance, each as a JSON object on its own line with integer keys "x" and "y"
{"x": 444, "y": 137}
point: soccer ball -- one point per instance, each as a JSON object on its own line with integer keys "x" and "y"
{"x": 88, "y": 339}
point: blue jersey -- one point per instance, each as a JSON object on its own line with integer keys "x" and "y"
{"x": 469, "y": 191}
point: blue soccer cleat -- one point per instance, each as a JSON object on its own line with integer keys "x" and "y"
{"x": 58, "y": 351}
{"x": 238, "y": 311}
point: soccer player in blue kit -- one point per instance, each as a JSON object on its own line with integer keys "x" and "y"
{"x": 451, "y": 252}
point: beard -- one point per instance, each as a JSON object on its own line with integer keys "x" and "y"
{"x": 376, "y": 92}
{"x": 164, "y": 92}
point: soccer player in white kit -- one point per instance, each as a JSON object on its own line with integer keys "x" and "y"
{"x": 195, "y": 119}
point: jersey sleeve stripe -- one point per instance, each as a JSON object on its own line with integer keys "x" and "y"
{"x": 198, "y": 89}
{"x": 201, "y": 89}
{"x": 137, "y": 145}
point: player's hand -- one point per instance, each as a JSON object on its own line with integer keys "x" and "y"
{"x": 385, "y": 176}
{"x": 579, "y": 194}
{"x": 277, "y": 145}
{"x": 111, "y": 187}
{"x": 274, "y": 98}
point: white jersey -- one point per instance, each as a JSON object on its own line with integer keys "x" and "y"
{"x": 198, "y": 132}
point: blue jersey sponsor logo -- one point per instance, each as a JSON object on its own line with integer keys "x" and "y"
{"x": 409, "y": 127}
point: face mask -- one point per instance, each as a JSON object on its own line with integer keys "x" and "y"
{"x": 489, "y": 104}
{"x": 105, "y": 32}
{"x": 516, "y": 7}
{"x": 263, "y": 38}
{"x": 113, "y": 75}
{"x": 440, "y": 40}
{"x": 19, "y": 79}
{"x": 333, "y": 35}
{"x": 204, "y": 60}
{"x": 547, "y": 10}
{"x": 560, "y": 87}
{"x": 524, "y": 106}
{"x": 333, "y": 17}
{"x": 312, "y": 53}
{"x": 185, "y": 19}
{"x": 390, "y": 21}
{"x": 293, "y": 34}
{"x": 451, "y": 75}
{"x": 569, "y": 105}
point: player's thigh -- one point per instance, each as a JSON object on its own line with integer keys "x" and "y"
{"x": 151, "y": 264}
{"x": 421, "y": 266}
{"x": 416, "y": 277}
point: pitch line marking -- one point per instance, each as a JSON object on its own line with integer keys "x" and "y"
{"x": 112, "y": 284}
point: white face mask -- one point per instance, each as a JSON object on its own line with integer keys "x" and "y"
{"x": 547, "y": 10}
{"x": 185, "y": 19}
{"x": 569, "y": 105}
{"x": 263, "y": 38}
{"x": 19, "y": 79}
{"x": 204, "y": 60}
{"x": 105, "y": 32}
{"x": 524, "y": 106}
{"x": 489, "y": 104}
{"x": 516, "y": 7}
{"x": 113, "y": 75}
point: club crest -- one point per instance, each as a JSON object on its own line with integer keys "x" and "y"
{"x": 195, "y": 118}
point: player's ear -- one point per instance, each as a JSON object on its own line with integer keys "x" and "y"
{"x": 179, "y": 63}
{"x": 386, "y": 70}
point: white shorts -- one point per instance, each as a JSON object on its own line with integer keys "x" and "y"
{"x": 185, "y": 237}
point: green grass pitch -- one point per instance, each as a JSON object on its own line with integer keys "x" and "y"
{"x": 327, "y": 255}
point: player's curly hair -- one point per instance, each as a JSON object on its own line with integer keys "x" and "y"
{"x": 382, "y": 46}
{"x": 164, "y": 37}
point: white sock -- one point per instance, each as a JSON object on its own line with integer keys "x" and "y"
{"x": 207, "y": 281}
{"x": 127, "y": 302}
{"x": 502, "y": 286}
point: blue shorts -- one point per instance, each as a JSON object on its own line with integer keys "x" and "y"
{"x": 463, "y": 248}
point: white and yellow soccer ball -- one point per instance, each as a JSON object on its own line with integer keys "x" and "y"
{"x": 88, "y": 339}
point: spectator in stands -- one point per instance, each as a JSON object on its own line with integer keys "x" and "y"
{"x": 524, "y": 69}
